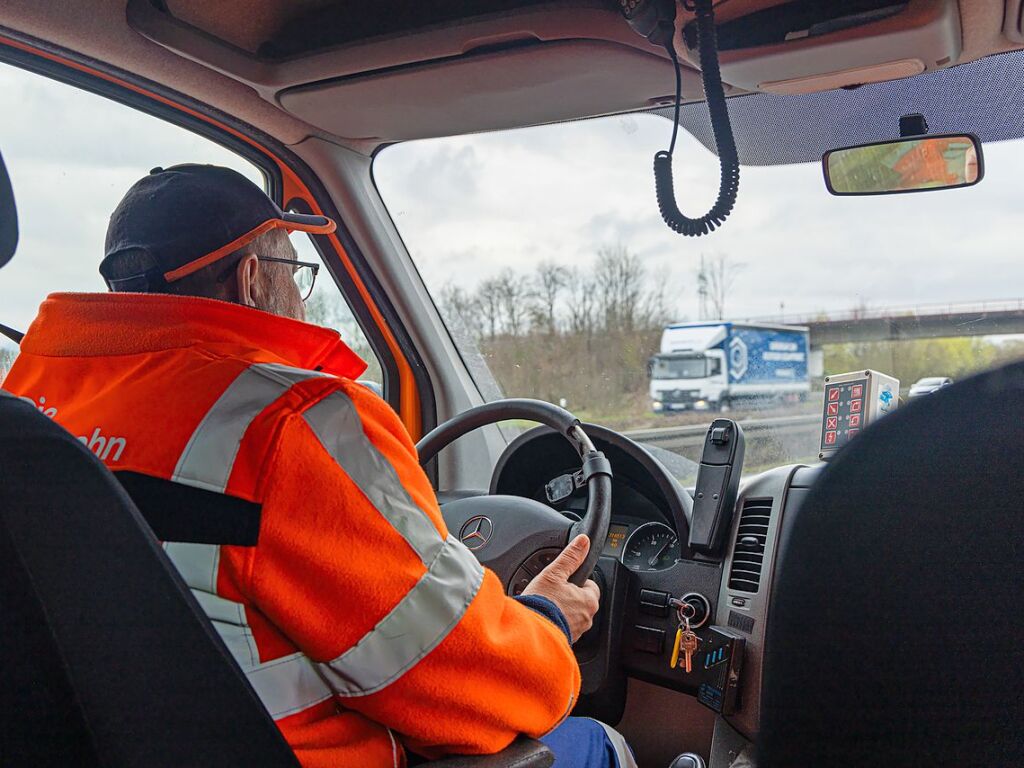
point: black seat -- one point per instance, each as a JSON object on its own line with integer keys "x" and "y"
{"x": 895, "y": 635}
{"x": 105, "y": 657}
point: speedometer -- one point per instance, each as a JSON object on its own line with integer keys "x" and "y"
{"x": 651, "y": 547}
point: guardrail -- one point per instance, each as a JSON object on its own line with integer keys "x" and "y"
{"x": 799, "y": 432}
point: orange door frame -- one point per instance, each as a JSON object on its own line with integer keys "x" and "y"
{"x": 293, "y": 188}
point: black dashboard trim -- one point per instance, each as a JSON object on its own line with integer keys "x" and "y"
{"x": 776, "y": 484}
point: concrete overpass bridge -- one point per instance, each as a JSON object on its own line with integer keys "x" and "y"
{"x": 925, "y": 321}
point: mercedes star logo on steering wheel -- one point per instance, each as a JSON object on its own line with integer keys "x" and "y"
{"x": 476, "y": 532}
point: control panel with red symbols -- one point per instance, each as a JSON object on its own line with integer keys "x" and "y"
{"x": 852, "y": 400}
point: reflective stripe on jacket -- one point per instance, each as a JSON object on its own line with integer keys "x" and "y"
{"x": 361, "y": 623}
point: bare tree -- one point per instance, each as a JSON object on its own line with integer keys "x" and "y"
{"x": 330, "y": 310}
{"x": 459, "y": 307}
{"x": 620, "y": 278}
{"x": 580, "y": 301}
{"x": 488, "y": 299}
{"x": 515, "y": 308}
{"x": 549, "y": 283}
{"x": 655, "y": 310}
{"x": 324, "y": 310}
{"x": 716, "y": 277}
{"x": 6, "y": 361}
{"x": 702, "y": 289}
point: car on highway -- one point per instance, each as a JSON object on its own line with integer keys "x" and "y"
{"x": 527, "y": 194}
{"x": 928, "y": 385}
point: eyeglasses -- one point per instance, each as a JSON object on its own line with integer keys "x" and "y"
{"x": 303, "y": 272}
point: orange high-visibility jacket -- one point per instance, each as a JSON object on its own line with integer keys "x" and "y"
{"x": 361, "y": 623}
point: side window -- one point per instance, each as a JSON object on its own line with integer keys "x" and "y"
{"x": 72, "y": 155}
{"x": 327, "y": 307}
{"x": 714, "y": 367}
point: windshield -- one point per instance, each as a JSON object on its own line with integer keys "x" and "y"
{"x": 679, "y": 368}
{"x": 547, "y": 257}
{"x": 931, "y": 381}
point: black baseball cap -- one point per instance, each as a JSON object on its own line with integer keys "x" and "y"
{"x": 186, "y": 217}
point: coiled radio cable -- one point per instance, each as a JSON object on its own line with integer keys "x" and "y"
{"x": 725, "y": 145}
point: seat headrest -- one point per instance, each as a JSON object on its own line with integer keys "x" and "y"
{"x": 8, "y": 217}
{"x": 895, "y": 633}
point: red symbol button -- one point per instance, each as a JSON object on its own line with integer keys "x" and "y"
{"x": 830, "y": 438}
{"x": 833, "y": 409}
{"x": 833, "y": 394}
{"x": 858, "y": 390}
{"x": 855, "y": 406}
{"x": 853, "y": 432}
{"x": 855, "y": 420}
{"x": 832, "y": 422}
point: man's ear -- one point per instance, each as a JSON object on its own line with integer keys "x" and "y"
{"x": 246, "y": 273}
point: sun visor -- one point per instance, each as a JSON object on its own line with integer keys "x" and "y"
{"x": 389, "y": 71}
{"x": 550, "y": 81}
{"x": 802, "y": 47}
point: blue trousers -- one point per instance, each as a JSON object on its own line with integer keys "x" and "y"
{"x": 580, "y": 742}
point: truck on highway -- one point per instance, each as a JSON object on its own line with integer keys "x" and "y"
{"x": 715, "y": 365}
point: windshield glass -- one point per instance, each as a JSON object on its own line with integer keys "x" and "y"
{"x": 547, "y": 257}
{"x": 679, "y": 368}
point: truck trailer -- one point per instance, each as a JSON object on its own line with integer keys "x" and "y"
{"x": 717, "y": 365}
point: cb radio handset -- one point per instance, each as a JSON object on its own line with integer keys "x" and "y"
{"x": 718, "y": 482}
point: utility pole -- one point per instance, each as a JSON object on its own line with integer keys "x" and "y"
{"x": 702, "y": 290}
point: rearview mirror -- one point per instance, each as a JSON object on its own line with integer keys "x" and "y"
{"x": 913, "y": 164}
{"x": 8, "y": 217}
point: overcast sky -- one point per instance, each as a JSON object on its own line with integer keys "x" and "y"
{"x": 468, "y": 206}
{"x": 72, "y": 156}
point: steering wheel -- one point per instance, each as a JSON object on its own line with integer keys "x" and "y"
{"x": 512, "y": 535}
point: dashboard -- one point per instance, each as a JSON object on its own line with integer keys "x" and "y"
{"x": 647, "y": 567}
{"x": 648, "y": 501}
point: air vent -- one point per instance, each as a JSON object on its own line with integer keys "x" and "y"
{"x": 751, "y": 537}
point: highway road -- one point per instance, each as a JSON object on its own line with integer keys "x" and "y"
{"x": 775, "y": 440}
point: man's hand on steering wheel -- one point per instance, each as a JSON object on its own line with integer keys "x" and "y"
{"x": 509, "y": 533}
{"x": 515, "y": 535}
{"x": 577, "y": 604}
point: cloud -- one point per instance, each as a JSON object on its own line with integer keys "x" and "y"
{"x": 589, "y": 184}
{"x": 468, "y": 206}
{"x": 72, "y": 155}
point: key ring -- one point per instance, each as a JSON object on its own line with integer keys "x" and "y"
{"x": 683, "y": 609}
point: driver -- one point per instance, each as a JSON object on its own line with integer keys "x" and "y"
{"x": 290, "y": 498}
